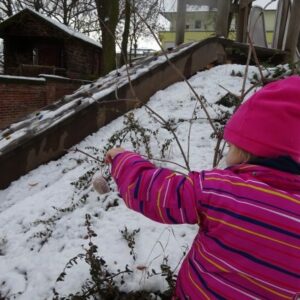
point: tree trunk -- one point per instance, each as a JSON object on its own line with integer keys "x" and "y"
{"x": 124, "y": 46}
{"x": 108, "y": 12}
{"x": 135, "y": 47}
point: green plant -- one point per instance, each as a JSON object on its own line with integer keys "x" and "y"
{"x": 237, "y": 74}
{"x": 134, "y": 132}
{"x": 229, "y": 100}
{"x": 101, "y": 284}
{"x": 168, "y": 274}
{"x": 129, "y": 236}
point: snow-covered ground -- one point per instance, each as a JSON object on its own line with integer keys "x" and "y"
{"x": 33, "y": 253}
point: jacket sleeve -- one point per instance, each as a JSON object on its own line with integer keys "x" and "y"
{"x": 160, "y": 194}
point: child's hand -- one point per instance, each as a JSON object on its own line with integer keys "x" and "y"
{"x": 112, "y": 153}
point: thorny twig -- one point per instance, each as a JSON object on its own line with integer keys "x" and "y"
{"x": 148, "y": 261}
{"x": 189, "y": 134}
{"x": 244, "y": 93}
{"x": 157, "y": 159}
{"x": 256, "y": 58}
{"x": 246, "y": 73}
{"x": 219, "y": 152}
{"x": 229, "y": 92}
{"x": 251, "y": 42}
{"x": 85, "y": 153}
{"x": 134, "y": 93}
{"x": 173, "y": 132}
{"x": 200, "y": 99}
{"x": 167, "y": 161}
{"x": 248, "y": 91}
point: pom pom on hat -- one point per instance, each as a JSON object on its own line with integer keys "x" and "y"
{"x": 100, "y": 184}
{"x": 268, "y": 123}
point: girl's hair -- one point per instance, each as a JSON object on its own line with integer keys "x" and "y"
{"x": 244, "y": 155}
{"x": 237, "y": 155}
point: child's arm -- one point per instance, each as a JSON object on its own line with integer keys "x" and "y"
{"x": 158, "y": 193}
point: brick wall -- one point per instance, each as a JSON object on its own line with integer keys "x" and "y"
{"x": 82, "y": 62}
{"x": 20, "y": 96}
{"x": 59, "y": 87}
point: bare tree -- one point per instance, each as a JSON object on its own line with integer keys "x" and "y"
{"x": 125, "y": 26}
{"x": 149, "y": 10}
{"x": 6, "y": 9}
{"x": 78, "y": 14}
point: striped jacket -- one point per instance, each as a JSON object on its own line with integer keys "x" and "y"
{"x": 248, "y": 244}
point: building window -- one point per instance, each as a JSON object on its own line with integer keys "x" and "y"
{"x": 197, "y": 24}
{"x": 187, "y": 26}
{"x": 35, "y": 56}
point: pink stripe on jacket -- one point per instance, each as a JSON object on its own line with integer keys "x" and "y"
{"x": 248, "y": 244}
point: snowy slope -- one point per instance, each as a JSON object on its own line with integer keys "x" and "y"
{"x": 30, "y": 264}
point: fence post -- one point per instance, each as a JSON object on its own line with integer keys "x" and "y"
{"x": 242, "y": 20}
{"x": 293, "y": 30}
{"x": 281, "y": 23}
{"x": 222, "y": 25}
{"x": 180, "y": 21}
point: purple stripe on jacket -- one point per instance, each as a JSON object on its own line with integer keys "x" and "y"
{"x": 248, "y": 244}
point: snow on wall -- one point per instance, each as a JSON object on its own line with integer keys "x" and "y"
{"x": 84, "y": 96}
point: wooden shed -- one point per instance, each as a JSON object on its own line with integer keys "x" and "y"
{"x": 35, "y": 44}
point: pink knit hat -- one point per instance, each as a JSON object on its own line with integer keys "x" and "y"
{"x": 268, "y": 123}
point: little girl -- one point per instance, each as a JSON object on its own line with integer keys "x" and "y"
{"x": 248, "y": 244}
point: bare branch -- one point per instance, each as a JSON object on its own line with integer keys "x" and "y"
{"x": 101, "y": 162}
{"x": 256, "y": 58}
{"x": 189, "y": 134}
{"x": 199, "y": 98}
{"x": 173, "y": 133}
{"x": 246, "y": 72}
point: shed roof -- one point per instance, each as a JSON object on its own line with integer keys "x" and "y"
{"x": 62, "y": 27}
